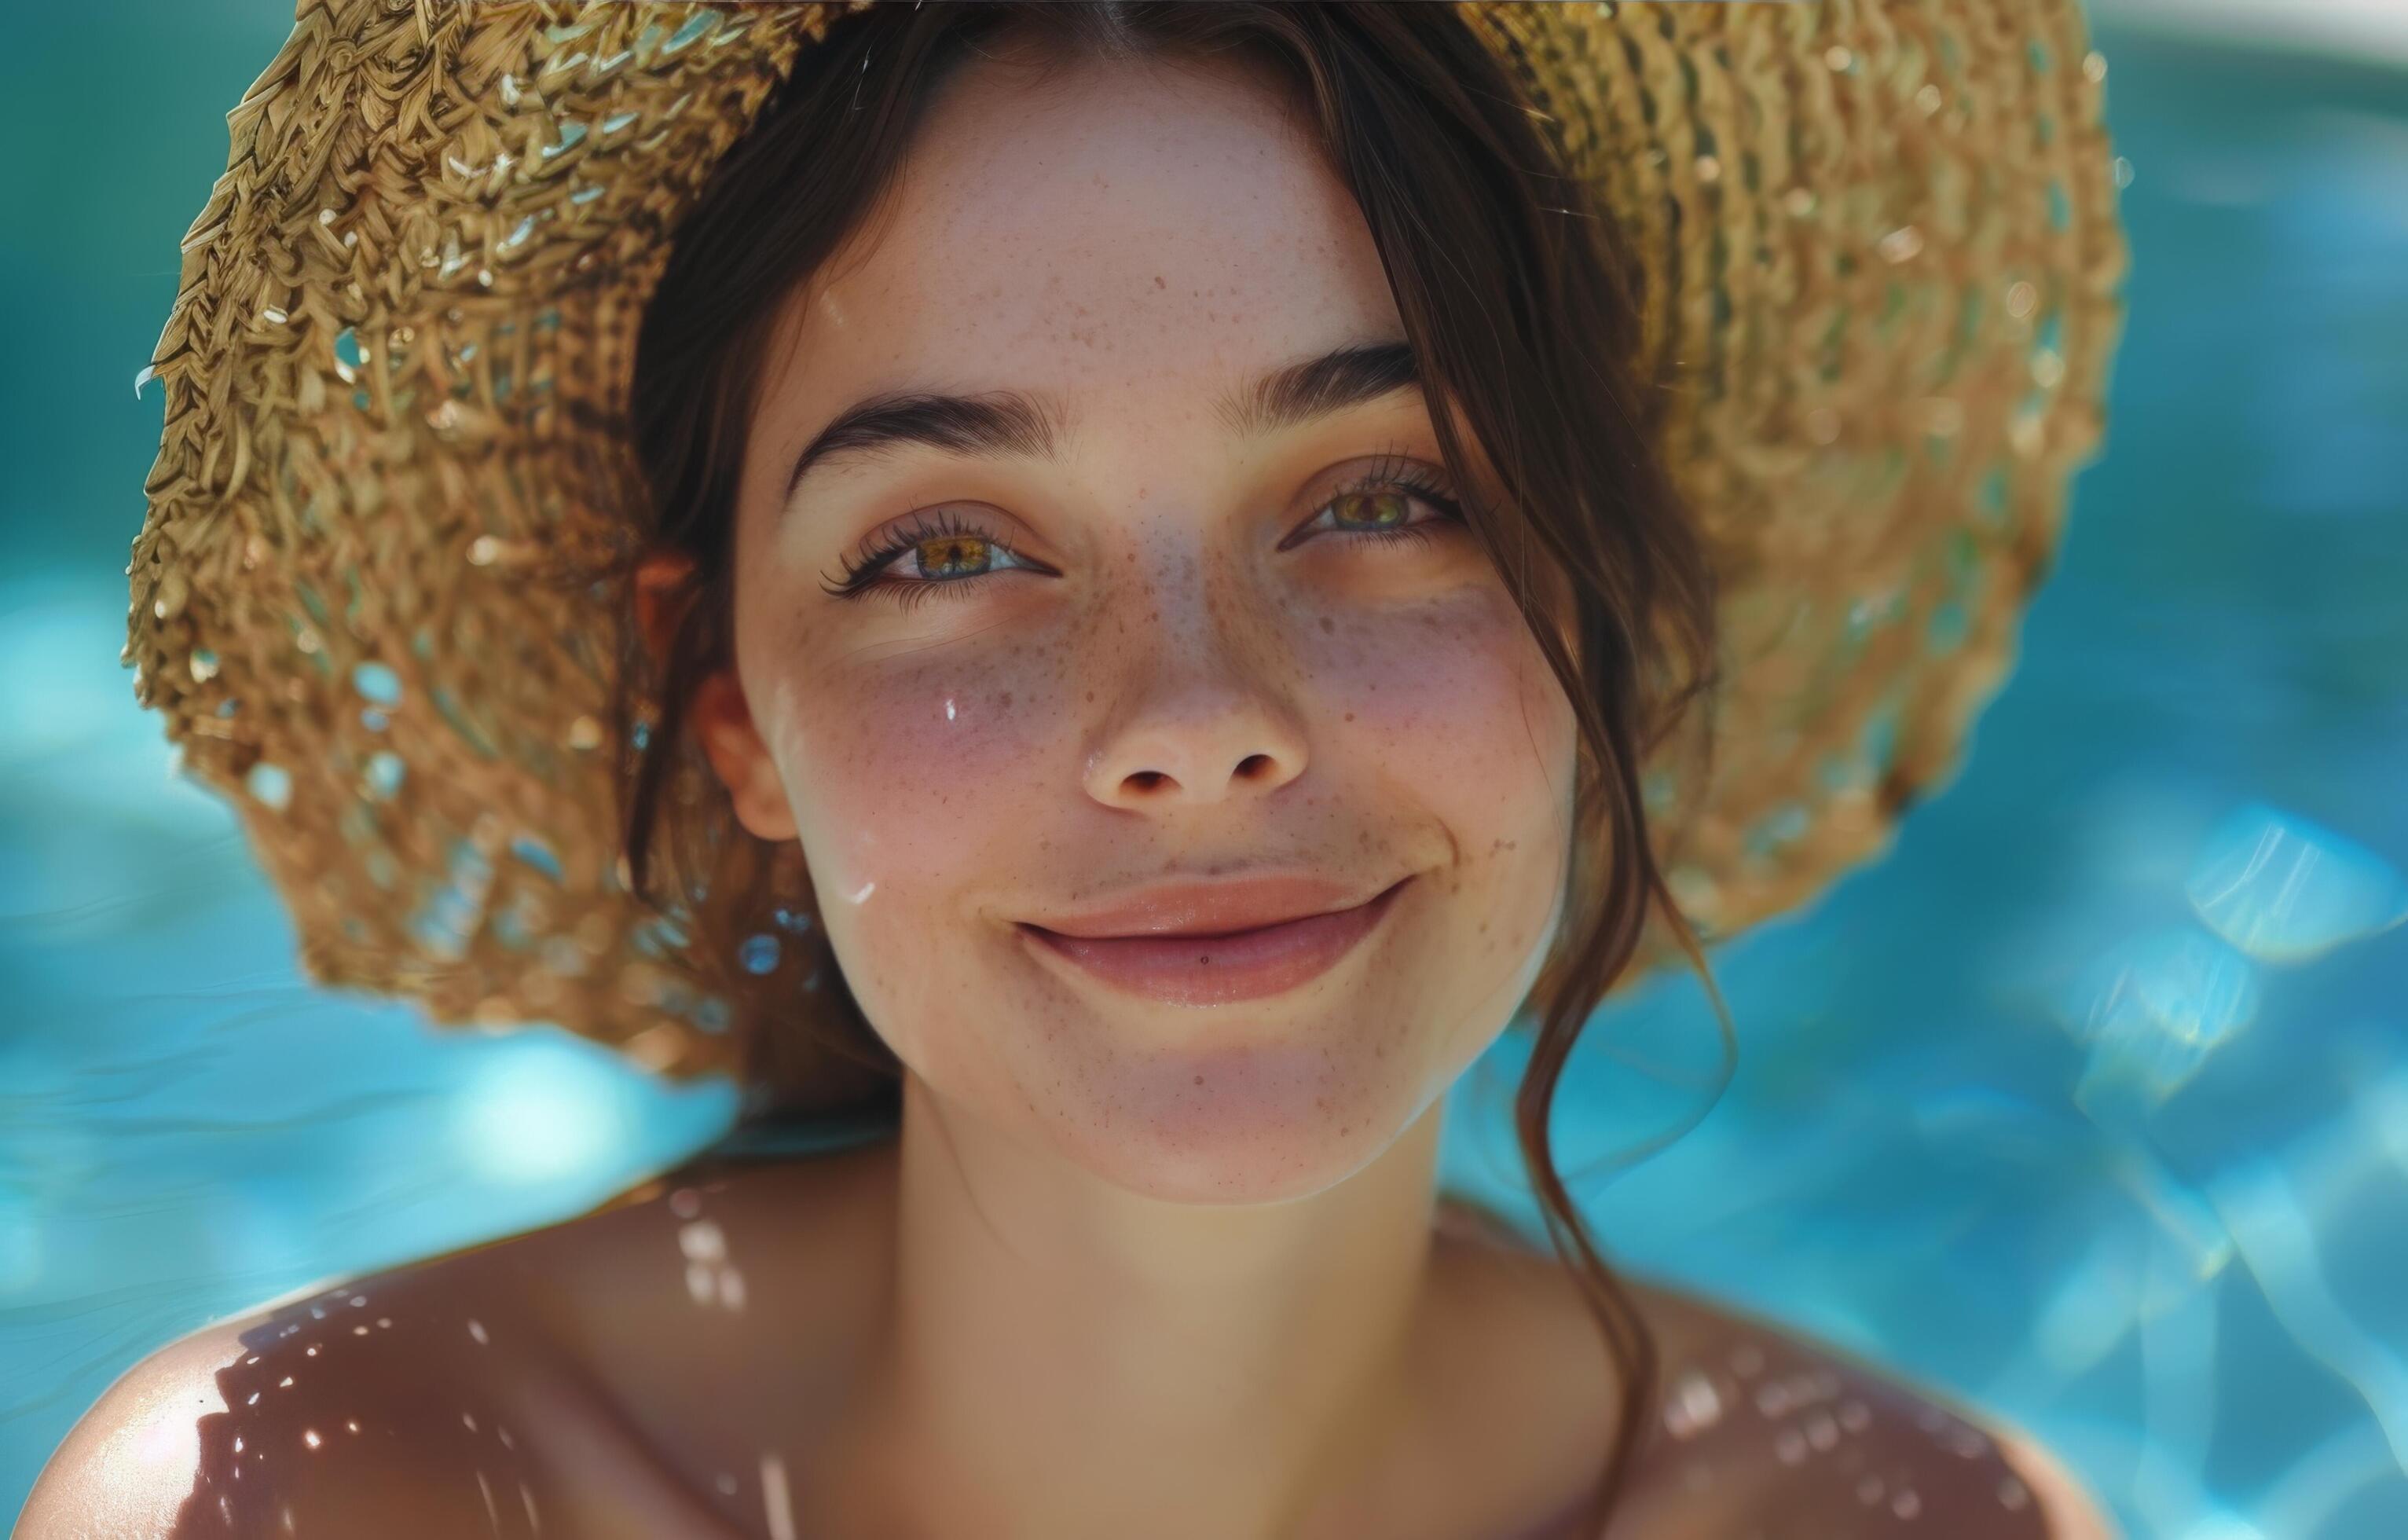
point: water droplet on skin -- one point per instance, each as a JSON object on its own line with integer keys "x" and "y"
{"x": 477, "y": 1329}
{"x": 1696, "y": 1405}
{"x": 775, "y": 1505}
{"x": 310, "y": 1438}
{"x": 866, "y": 888}
{"x": 685, "y": 1203}
{"x": 949, "y": 707}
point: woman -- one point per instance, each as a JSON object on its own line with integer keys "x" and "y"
{"x": 1157, "y": 535}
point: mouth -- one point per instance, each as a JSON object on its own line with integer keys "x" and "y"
{"x": 1214, "y": 969}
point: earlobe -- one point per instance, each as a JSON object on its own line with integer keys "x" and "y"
{"x": 723, "y": 724}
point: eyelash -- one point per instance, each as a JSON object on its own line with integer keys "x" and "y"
{"x": 862, "y": 573}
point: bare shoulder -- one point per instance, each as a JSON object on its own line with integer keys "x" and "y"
{"x": 360, "y": 1407}
{"x": 1764, "y": 1424}
{"x": 533, "y": 1383}
{"x": 128, "y": 1464}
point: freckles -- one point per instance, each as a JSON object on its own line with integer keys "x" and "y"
{"x": 934, "y": 754}
{"x": 1441, "y": 677}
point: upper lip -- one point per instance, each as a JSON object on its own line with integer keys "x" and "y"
{"x": 1212, "y": 908}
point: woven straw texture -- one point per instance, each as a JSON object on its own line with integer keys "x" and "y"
{"x": 1884, "y": 258}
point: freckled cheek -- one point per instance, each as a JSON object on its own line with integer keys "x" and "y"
{"x": 1456, "y": 696}
{"x": 922, "y": 778}
{"x": 1464, "y": 721}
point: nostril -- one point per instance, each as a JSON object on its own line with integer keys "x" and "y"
{"x": 1148, "y": 780}
{"x": 1253, "y": 763}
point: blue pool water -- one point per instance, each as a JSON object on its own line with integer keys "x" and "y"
{"x": 2088, "y": 1102}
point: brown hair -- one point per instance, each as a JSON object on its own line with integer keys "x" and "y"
{"x": 1519, "y": 307}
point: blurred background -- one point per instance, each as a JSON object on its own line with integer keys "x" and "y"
{"x": 2087, "y": 1103}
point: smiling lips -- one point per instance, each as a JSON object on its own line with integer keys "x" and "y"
{"x": 1216, "y": 944}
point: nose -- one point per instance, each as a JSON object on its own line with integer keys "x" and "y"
{"x": 1195, "y": 720}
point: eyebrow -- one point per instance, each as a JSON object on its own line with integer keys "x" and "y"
{"x": 1014, "y": 423}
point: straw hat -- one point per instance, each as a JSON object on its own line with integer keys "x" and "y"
{"x": 1881, "y": 242}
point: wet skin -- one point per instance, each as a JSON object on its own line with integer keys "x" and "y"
{"x": 1131, "y": 1265}
{"x": 591, "y": 1380}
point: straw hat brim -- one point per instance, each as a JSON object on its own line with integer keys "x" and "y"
{"x": 1882, "y": 255}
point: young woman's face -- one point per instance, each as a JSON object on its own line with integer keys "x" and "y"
{"x": 1167, "y": 648}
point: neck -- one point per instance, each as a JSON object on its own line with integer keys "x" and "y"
{"x": 1086, "y": 1361}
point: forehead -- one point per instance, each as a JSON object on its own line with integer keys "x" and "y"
{"x": 1129, "y": 235}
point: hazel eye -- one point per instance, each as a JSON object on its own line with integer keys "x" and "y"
{"x": 1381, "y": 506}
{"x": 956, "y": 555}
{"x": 946, "y": 550}
{"x": 1366, "y": 511}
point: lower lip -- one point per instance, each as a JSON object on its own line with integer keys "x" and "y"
{"x": 1220, "y": 969}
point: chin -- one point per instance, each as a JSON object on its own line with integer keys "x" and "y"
{"x": 1268, "y": 1124}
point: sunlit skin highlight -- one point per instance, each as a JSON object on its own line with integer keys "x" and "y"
{"x": 1191, "y": 1254}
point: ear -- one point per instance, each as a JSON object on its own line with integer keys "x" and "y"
{"x": 717, "y": 714}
